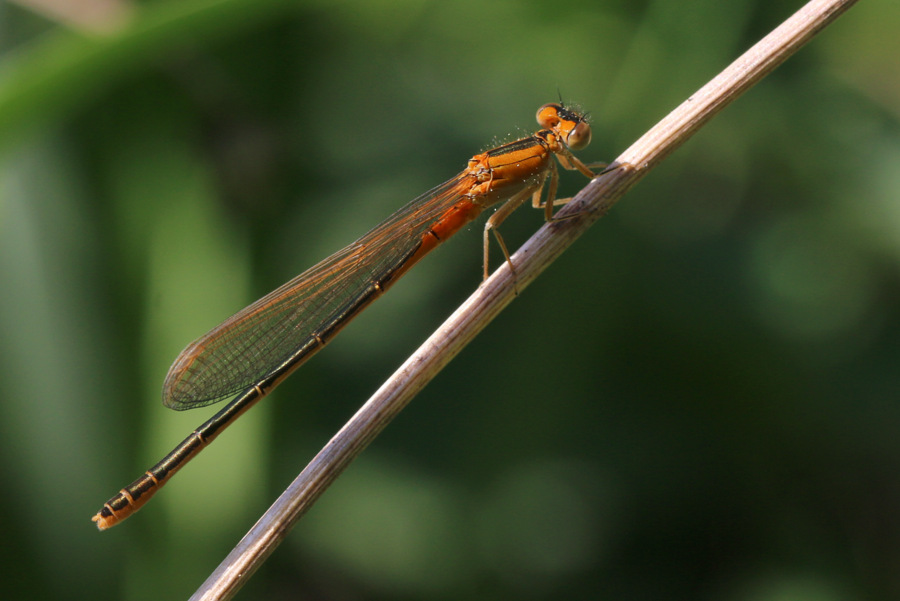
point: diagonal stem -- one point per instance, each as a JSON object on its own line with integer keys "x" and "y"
{"x": 594, "y": 200}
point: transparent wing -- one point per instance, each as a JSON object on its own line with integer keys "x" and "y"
{"x": 251, "y": 344}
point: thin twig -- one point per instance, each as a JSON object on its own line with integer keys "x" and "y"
{"x": 500, "y": 289}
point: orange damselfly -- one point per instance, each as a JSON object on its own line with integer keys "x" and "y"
{"x": 253, "y": 351}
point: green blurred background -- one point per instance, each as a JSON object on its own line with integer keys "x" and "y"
{"x": 698, "y": 401}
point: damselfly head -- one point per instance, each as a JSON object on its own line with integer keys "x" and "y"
{"x": 571, "y": 126}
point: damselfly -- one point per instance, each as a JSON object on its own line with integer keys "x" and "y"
{"x": 253, "y": 351}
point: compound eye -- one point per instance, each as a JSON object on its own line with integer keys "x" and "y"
{"x": 579, "y": 137}
{"x": 548, "y": 115}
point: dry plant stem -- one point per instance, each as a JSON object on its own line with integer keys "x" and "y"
{"x": 500, "y": 289}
